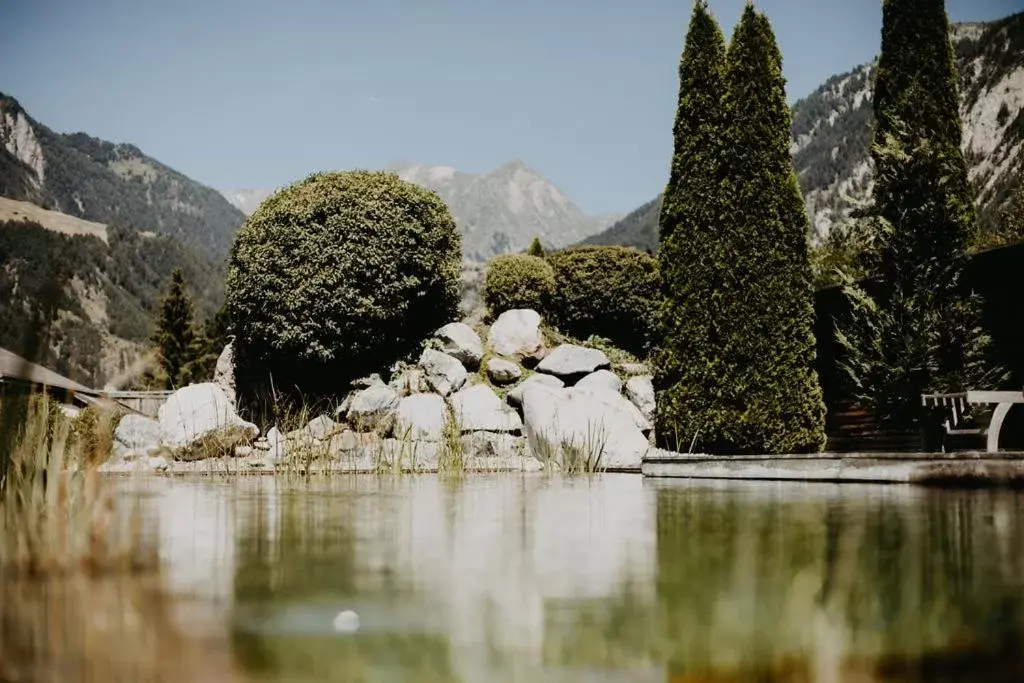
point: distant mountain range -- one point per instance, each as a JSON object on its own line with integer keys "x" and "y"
{"x": 832, "y": 135}
{"x": 497, "y": 212}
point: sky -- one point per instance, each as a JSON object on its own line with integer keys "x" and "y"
{"x": 259, "y": 94}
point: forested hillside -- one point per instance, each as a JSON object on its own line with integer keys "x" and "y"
{"x": 83, "y": 307}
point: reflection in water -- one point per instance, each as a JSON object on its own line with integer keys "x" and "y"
{"x": 511, "y": 577}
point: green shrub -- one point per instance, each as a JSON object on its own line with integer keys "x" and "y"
{"x": 336, "y": 276}
{"x": 610, "y": 292}
{"x": 518, "y": 281}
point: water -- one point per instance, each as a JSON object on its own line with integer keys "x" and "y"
{"x": 613, "y": 578}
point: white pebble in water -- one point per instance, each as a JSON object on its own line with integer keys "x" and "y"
{"x": 346, "y": 621}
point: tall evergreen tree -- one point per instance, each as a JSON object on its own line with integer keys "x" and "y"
{"x": 921, "y": 331}
{"x": 691, "y": 253}
{"x": 745, "y": 365}
{"x": 775, "y": 398}
{"x": 536, "y": 249}
{"x": 174, "y": 334}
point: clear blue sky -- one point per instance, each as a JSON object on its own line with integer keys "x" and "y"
{"x": 257, "y": 93}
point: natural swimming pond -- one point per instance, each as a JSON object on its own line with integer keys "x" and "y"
{"x": 607, "y": 578}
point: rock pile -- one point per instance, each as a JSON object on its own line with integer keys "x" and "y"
{"x": 467, "y": 400}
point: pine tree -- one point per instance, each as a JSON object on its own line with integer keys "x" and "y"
{"x": 536, "y": 249}
{"x": 921, "y": 331}
{"x": 690, "y": 245}
{"x": 747, "y": 382}
{"x": 174, "y": 334}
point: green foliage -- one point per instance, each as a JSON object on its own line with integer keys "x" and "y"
{"x": 174, "y": 336}
{"x": 610, "y": 292}
{"x": 536, "y": 249}
{"x": 921, "y": 332}
{"x": 518, "y": 281}
{"x": 337, "y": 275}
{"x": 736, "y": 373}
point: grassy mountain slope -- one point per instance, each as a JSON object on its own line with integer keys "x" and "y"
{"x": 108, "y": 183}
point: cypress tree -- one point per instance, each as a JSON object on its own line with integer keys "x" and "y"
{"x": 174, "y": 334}
{"x": 735, "y": 372}
{"x": 921, "y": 331}
{"x": 536, "y": 249}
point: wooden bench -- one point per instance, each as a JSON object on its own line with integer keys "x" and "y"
{"x": 959, "y": 402}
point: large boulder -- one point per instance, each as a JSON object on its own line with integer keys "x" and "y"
{"x": 224, "y": 372}
{"x": 570, "y": 362}
{"x": 516, "y": 333}
{"x": 502, "y": 371}
{"x": 613, "y": 400}
{"x": 420, "y": 417}
{"x": 322, "y": 427}
{"x": 640, "y": 390}
{"x": 373, "y": 408}
{"x": 602, "y": 380}
{"x": 198, "y": 421}
{"x": 478, "y": 409}
{"x": 515, "y": 397}
{"x": 563, "y": 425}
{"x": 444, "y": 373}
{"x": 461, "y": 342}
{"x": 137, "y": 434}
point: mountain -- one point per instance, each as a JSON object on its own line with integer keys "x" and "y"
{"x": 108, "y": 183}
{"x": 497, "y": 212}
{"x": 90, "y": 232}
{"x": 832, "y": 135}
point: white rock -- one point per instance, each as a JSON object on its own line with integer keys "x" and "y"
{"x": 346, "y": 622}
{"x": 502, "y": 371}
{"x": 616, "y": 401}
{"x": 321, "y": 427}
{"x": 138, "y": 433}
{"x": 640, "y": 390}
{"x": 516, "y": 333}
{"x": 277, "y": 451}
{"x": 461, "y": 342}
{"x": 482, "y": 445}
{"x": 444, "y": 373}
{"x": 569, "y": 360}
{"x": 224, "y": 372}
{"x": 515, "y": 397}
{"x": 373, "y": 380}
{"x": 420, "y": 417}
{"x": 602, "y": 380}
{"x": 557, "y": 420}
{"x": 373, "y": 407}
{"x": 478, "y": 409}
{"x": 202, "y": 412}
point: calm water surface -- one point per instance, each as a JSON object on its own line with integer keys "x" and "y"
{"x": 612, "y": 578}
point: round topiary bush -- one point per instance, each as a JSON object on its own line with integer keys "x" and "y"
{"x": 611, "y": 292}
{"x": 336, "y": 276}
{"x": 518, "y": 281}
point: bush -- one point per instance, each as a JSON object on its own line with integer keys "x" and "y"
{"x": 518, "y": 281}
{"x": 610, "y": 292}
{"x": 338, "y": 275}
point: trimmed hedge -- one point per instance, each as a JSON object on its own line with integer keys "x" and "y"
{"x": 608, "y": 291}
{"x": 336, "y": 276}
{"x": 518, "y": 281}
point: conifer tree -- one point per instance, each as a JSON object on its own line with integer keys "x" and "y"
{"x": 690, "y": 251}
{"x": 174, "y": 333}
{"x": 536, "y": 249}
{"x": 921, "y": 332}
{"x": 747, "y": 382}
